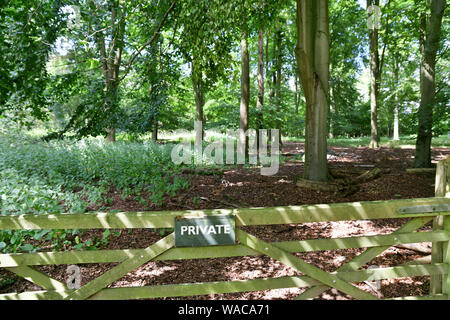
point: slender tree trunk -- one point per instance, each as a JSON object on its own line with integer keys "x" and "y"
{"x": 431, "y": 31}
{"x": 389, "y": 129}
{"x": 245, "y": 92}
{"x": 270, "y": 75}
{"x": 111, "y": 135}
{"x": 312, "y": 54}
{"x": 278, "y": 83}
{"x": 267, "y": 34}
{"x": 374, "y": 82}
{"x": 155, "y": 130}
{"x": 273, "y": 71}
{"x": 268, "y": 66}
{"x": 155, "y": 120}
{"x": 260, "y": 101}
{"x": 297, "y": 99}
{"x": 396, "y": 104}
{"x": 396, "y": 121}
{"x": 111, "y": 101}
{"x": 298, "y": 132}
{"x": 198, "y": 94}
{"x": 110, "y": 59}
{"x": 331, "y": 131}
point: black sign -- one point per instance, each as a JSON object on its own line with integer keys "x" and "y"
{"x": 207, "y": 231}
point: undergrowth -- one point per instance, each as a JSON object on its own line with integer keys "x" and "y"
{"x": 39, "y": 177}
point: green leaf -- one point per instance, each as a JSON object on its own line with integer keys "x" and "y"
{"x": 27, "y": 247}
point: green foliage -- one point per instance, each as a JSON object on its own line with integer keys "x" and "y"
{"x": 64, "y": 176}
{"x": 28, "y": 27}
{"x": 7, "y": 281}
{"x": 39, "y": 78}
{"x": 348, "y": 32}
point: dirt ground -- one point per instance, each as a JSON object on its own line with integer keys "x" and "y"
{"x": 241, "y": 187}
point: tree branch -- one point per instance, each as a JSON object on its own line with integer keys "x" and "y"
{"x": 155, "y": 34}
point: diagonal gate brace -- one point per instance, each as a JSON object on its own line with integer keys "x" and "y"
{"x": 135, "y": 260}
{"x": 365, "y": 257}
{"x": 37, "y": 277}
{"x": 302, "y": 266}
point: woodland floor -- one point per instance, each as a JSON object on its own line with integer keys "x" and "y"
{"x": 247, "y": 188}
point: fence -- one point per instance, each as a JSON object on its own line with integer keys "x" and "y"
{"x": 421, "y": 211}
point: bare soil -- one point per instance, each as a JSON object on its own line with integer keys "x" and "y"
{"x": 243, "y": 187}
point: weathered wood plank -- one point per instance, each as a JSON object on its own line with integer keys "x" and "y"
{"x": 437, "y": 256}
{"x": 424, "y": 209}
{"x": 446, "y": 258}
{"x": 36, "y": 295}
{"x": 437, "y": 250}
{"x": 179, "y": 290}
{"x": 446, "y": 279}
{"x": 193, "y": 289}
{"x": 106, "y": 256}
{"x": 312, "y": 292}
{"x": 244, "y": 216}
{"x": 430, "y": 297}
{"x": 38, "y": 277}
{"x": 361, "y": 242}
{"x": 442, "y": 180}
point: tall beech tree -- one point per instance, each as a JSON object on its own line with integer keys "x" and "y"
{"x": 260, "y": 101}
{"x": 110, "y": 58}
{"x": 312, "y": 54}
{"x": 429, "y": 44}
{"x": 199, "y": 90}
{"x": 245, "y": 87}
{"x": 279, "y": 64}
{"x": 375, "y": 77}
{"x": 205, "y": 42}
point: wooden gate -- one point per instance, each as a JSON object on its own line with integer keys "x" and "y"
{"x": 421, "y": 211}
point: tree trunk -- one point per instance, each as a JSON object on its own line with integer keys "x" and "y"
{"x": 396, "y": 119}
{"x": 272, "y": 69}
{"x": 198, "y": 95}
{"x": 245, "y": 93}
{"x": 155, "y": 118}
{"x": 297, "y": 98}
{"x": 375, "y": 75}
{"x": 111, "y": 58}
{"x": 267, "y": 64}
{"x": 155, "y": 129}
{"x": 260, "y": 101}
{"x": 278, "y": 83}
{"x": 331, "y": 131}
{"x": 431, "y": 31}
{"x": 312, "y": 54}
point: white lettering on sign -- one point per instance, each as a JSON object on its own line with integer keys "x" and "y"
{"x": 211, "y": 229}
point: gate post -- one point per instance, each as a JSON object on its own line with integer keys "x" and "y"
{"x": 439, "y": 253}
